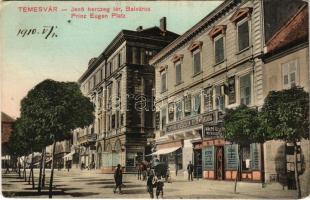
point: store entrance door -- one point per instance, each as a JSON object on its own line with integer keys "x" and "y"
{"x": 219, "y": 163}
{"x": 197, "y": 163}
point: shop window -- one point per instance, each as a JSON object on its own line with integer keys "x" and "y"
{"x": 163, "y": 81}
{"x": 208, "y": 99}
{"x": 196, "y": 62}
{"x": 187, "y": 105}
{"x": 163, "y": 118}
{"x": 178, "y": 74}
{"x": 290, "y": 74}
{"x": 179, "y": 111}
{"x": 245, "y": 89}
{"x": 219, "y": 49}
{"x": 220, "y": 97}
{"x": 197, "y": 104}
{"x": 246, "y": 157}
{"x": 243, "y": 35}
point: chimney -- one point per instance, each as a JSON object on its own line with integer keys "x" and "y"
{"x": 163, "y": 24}
{"x": 139, "y": 28}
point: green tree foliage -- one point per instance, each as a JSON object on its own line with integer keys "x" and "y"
{"x": 241, "y": 125}
{"x": 55, "y": 108}
{"x": 285, "y": 115}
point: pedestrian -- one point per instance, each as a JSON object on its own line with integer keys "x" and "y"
{"x": 7, "y": 169}
{"x": 190, "y": 169}
{"x": 118, "y": 177}
{"x": 160, "y": 188}
{"x": 82, "y": 165}
{"x": 144, "y": 172}
{"x": 151, "y": 183}
{"x": 139, "y": 168}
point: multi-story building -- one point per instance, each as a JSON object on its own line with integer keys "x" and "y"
{"x": 286, "y": 63}
{"x": 120, "y": 83}
{"x": 217, "y": 64}
{"x": 6, "y": 131}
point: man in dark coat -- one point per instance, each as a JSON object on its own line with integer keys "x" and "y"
{"x": 190, "y": 169}
{"x": 118, "y": 177}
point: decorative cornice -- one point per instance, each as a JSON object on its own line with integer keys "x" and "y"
{"x": 163, "y": 68}
{"x": 195, "y": 45}
{"x": 177, "y": 57}
{"x": 241, "y": 13}
{"x": 216, "y": 30}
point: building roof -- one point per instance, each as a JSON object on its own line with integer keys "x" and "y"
{"x": 294, "y": 32}
{"x": 150, "y": 35}
{"x": 6, "y": 118}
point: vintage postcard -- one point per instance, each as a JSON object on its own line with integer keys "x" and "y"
{"x": 155, "y": 99}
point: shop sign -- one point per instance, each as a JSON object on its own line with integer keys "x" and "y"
{"x": 213, "y": 131}
{"x": 231, "y": 157}
{"x": 208, "y": 117}
{"x": 157, "y": 120}
{"x": 208, "y": 158}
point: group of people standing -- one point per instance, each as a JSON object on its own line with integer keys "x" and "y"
{"x": 153, "y": 179}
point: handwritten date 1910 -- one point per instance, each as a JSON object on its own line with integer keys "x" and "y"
{"x": 45, "y": 31}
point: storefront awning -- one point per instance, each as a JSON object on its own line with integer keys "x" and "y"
{"x": 69, "y": 155}
{"x": 166, "y": 150}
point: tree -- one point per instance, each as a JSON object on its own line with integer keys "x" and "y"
{"x": 285, "y": 116}
{"x": 55, "y": 109}
{"x": 241, "y": 126}
{"x": 17, "y": 145}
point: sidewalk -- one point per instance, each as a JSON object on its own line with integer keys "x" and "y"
{"x": 89, "y": 184}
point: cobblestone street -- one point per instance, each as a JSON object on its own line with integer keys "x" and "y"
{"x": 89, "y": 184}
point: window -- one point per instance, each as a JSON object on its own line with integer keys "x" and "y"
{"x": 100, "y": 75}
{"x": 113, "y": 121}
{"x": 290, "y": 74}
{"x": 108, "y": 123}
{"x": 219, "y": 49}
{"x": 94, "y": 80}
{"x": 109, "y": 95}
{"x": 246, "y": 157}
{"x": 245, "y": 89}
{"x": 208, "y": 99}
{"x": 243, "y": 35}
{"x": 197, "y": 104}
{"x": 187, "y": 105}
{"x": 220, "y": 97}
{"x": 163, "y": 82}
{"x": 119, "y": 59}
{"x": 196, "y": 61}
{"x": 178, "y": 75}
{"x": 171, "y": 111}
{"x": 178, "y": 108}
{"x": 163, "y": 118}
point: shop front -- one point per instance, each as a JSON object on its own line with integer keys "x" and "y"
{"x": 221, "y": 161}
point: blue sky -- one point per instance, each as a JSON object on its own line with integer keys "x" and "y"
{"x": 25, "y": 61}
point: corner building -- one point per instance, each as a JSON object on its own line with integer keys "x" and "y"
{"x": 120, "y": 83}
{"x": 215, "y": 65}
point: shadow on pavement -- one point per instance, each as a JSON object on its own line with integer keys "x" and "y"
{"x": 138, "y": 191}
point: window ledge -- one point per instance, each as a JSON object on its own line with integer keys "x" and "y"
{"x": 218, "y": 63}
{"x": 243, "y": 50}
{"x": 197, "y": 74}
{"x": 179, "y": 83}
{"x": 164, "y": 91}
